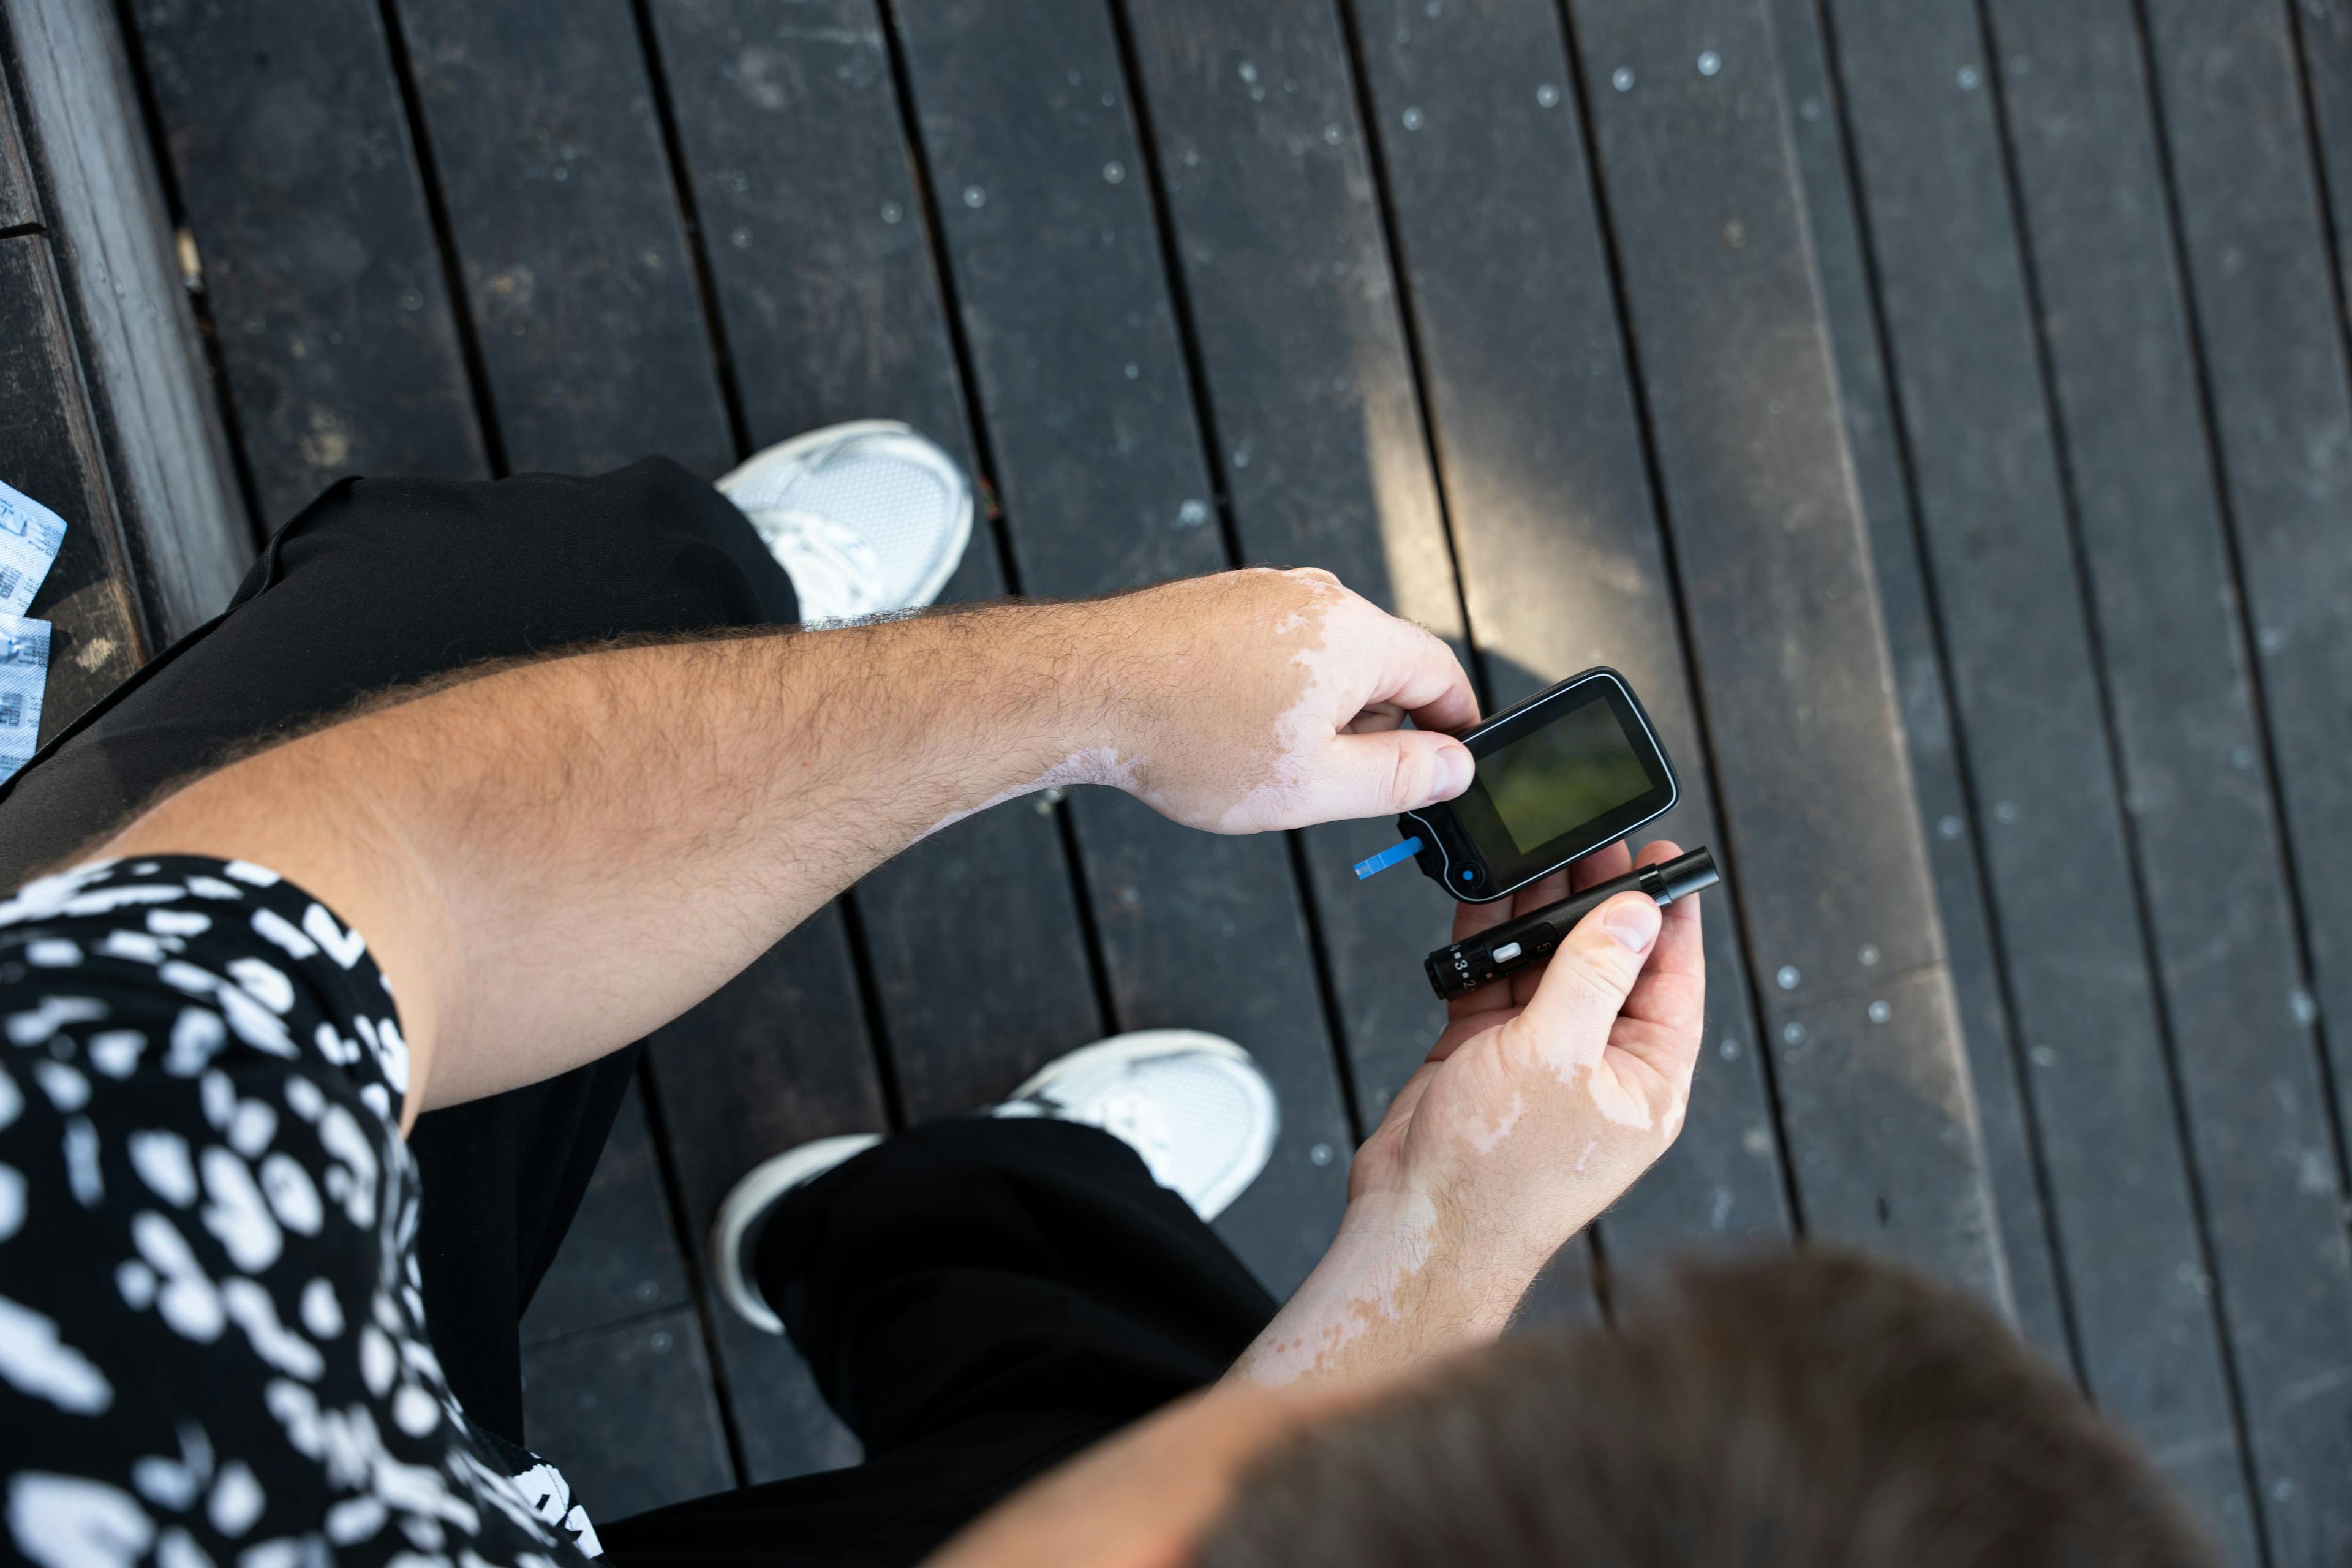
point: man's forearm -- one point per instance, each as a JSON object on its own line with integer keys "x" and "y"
{"x": 1541, "y": 1103}
{"x": 550, "y": 860}
{"x": 560, "y": 857}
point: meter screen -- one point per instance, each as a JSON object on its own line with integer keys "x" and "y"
{"x": 1557, "y": 778}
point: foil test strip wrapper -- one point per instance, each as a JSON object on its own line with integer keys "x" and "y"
{"x": 30, "y": 536}
{"x": 24, "y": 678}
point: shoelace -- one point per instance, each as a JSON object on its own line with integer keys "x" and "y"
{"x": 831, "y": 566}
{"x": 1134, "y": 1121}
{"x": 1132, "y": 1118}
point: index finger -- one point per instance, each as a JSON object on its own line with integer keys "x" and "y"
{"x": 1426, "y": 680}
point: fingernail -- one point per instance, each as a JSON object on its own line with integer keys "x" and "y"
{"x": 1632, "y": 921}
{"x": 1453, "y": 770}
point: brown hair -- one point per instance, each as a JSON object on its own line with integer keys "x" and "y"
{"x": 1820, "y": 1410}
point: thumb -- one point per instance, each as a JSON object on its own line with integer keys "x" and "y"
{"x": 1585, "y": 986}
{"x": 1395, "y": 770}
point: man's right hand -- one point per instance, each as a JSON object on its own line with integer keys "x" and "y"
{"x": 1543, "y": 1100}
{"x": 1260, "y": 699}
{"x": 1546, "y": 1098}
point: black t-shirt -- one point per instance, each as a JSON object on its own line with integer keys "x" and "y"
{"x": 213, "y": 1349}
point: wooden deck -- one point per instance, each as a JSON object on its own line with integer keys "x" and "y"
{"x": 1938, "y": 407}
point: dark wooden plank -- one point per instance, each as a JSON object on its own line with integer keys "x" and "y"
{"x": 621, "y": 1259}
{"x": 167, "y": 464}
{"x": 1961, "y": 344}
{"x": 1566, "y": 1290}
{"x": 1699, "y": 183}
{"x": 970, "y": 1014}
{"x": 1871, "y": 1034}
{"x": 2197, "y": 788}
{"x": 795, "y": 150}
{"x": 2248, "y": 204}
{"x": 1514, "y": 311}
{"x": 783, "y": 1425}
{"x": 292, "y": 155}
{"x": 613, "y": 1409}
{"x": 1995, "y": 1068}
{"x": 575, "y": 265}
{"x": 19, "y": 208}
{"x": 1321, "y": 453}
{"x": 558, "y": 185}
{"x": 2255, "y": 243}
{"x": 777, "y": 1056}
{"x": 796, "y": 153}
{"x": 1206, "y": 933}
{"x": 2325, "y": 35}
{"x": 1081, "y": 383}
{"x": 48, "y": 452}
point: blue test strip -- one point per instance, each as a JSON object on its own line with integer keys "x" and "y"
{"x": 1386, "y": 858}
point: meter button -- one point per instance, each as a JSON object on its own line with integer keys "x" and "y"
{"x": 1508, "y": 951}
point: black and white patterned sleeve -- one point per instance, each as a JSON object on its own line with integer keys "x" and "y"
{"x": 213, "y": 1347}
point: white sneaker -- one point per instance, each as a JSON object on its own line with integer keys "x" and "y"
{"x": 865, "y": 518}
{"x": 733, "y": 1234}
{"x": 1193, "y": 1105}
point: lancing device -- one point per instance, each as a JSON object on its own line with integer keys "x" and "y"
{"x": 1489, "y": 956}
